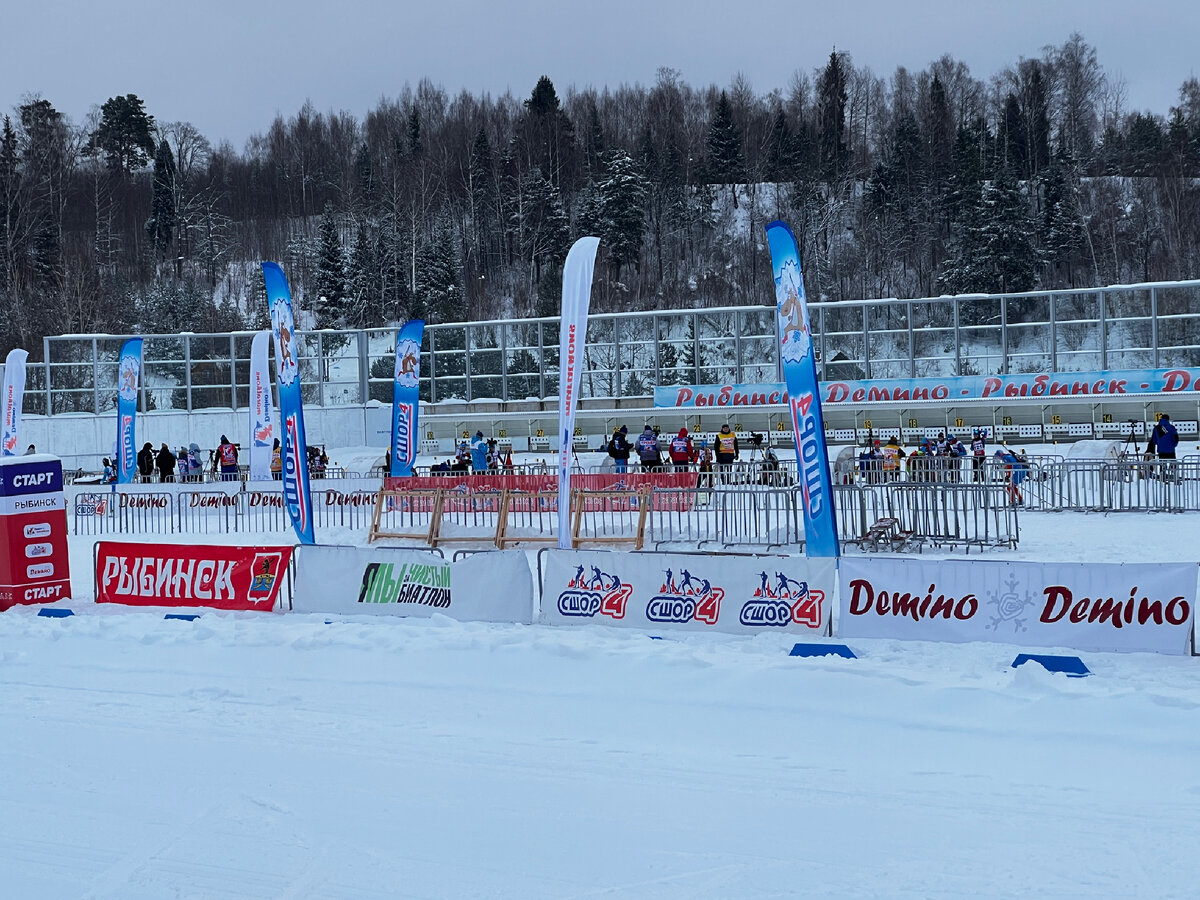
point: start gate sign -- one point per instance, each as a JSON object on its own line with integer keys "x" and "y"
{"x": 214, "y": 576}
{"x": 697, "y": 592}
{"x": 34, "y": 564}
{"x": 1083, "y": 606}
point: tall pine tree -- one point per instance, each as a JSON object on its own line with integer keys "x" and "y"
{"x": 623, "y": 192}
{"x": 124, "y": 134}
{"x": 161, "y": 224}
{"x": 330, "y": 286}
{"x": 831, "y": 120}
{"x": 725, "y": 164}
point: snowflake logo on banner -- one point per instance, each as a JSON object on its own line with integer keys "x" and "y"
{"x": 407, "y": 355}
{"x": 796, "y": 341}
{"x": 127, "y": 378}
{"x": 1009, "y": 606}
{"x": 283, "y": 331}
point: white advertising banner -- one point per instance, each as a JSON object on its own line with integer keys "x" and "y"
{"x": 1085, "y": 606}
{"x": 262, "y": 412}
{"x": 696, "y": 592}
{"x": 484, "y": 587}
{"x": 11, "y": 402}
{"x": 576, "y": 296}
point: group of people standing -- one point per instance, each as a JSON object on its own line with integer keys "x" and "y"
{"x": 681, "y": 450}
{"x": 482, "y": 456}
{"x": 184, "y": 465}
{"x": 934, "y": 459}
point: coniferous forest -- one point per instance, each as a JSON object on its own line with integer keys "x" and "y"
{"x": 463, "y": 207}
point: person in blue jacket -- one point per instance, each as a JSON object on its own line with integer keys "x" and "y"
{"x": 619, "y": 448}
{"x": 479, "y": 452}
{"x": 1016, "y": 468}
{"x": 647, "y": 448}
{"x": 1164, "y": 438}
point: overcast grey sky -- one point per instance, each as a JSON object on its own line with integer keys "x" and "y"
{"x": 228, "y": 67}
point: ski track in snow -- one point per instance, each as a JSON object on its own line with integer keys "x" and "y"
{"x": 259, "y": 755}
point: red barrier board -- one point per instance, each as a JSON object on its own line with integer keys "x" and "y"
{"x": 212, "y": 575}
{"x": 34, "y": 566}
{"x": 593, "y": 481}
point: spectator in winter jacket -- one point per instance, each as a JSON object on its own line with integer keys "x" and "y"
{"x": 647, "y": 448}
{"x": 893, "y": 453}
{"x": 727, "y": 450}
{"x": 869, "y": 463}
{"x": 1164, "y": 437}
{"x": 978, "y": 453}
{"x": 277, "y": 462}
{"x": 705, "y": 459}
{"x": 110, "y": 473}
{"x": 479, "y": 452}
{"x": 681, "y": 451}
{"x": 195, "y": 468}
{"x": 462, "y": 460}
{"x": 618, "y": 448}
{"x": 955, "y": 451}
{"x": 228, "y": 455}
{"x": 145, "y": 462}
{"x": 727, "y": 446}
{"x": 165, "y": 461}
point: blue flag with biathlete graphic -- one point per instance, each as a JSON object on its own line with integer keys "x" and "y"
{"x": 406, "y": 397}
{"x": 800, "y": 374}
{"x": 129, "y": 373}
{"x": 296, "y": 494}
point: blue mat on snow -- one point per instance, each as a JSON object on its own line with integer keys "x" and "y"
{"x": 823, "y": 650}
{"x": 1072, "y": 666}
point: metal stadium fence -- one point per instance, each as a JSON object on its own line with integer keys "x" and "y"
{"x": 1152, "y": 325}
{"x": 938, "y": 506}
{"x": 1126, "y": 486}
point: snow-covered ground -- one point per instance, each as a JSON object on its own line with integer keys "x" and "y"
{"x": 267, "y": 755}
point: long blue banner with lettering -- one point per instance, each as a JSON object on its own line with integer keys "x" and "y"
{"x": 999, "y": 388}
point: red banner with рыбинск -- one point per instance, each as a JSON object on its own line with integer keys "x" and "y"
{"x": 214, "y": 576}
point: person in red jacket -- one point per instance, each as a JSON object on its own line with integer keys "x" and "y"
{"x": 228, "y": 455}
{"x": 682, "y": 454}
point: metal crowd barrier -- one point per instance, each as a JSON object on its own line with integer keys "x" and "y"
{"x": 111, "y": 512}
{"x": 1075, "y": 486}
{"x": 340, "y": 509}
{"x": 210, "y": 512}
{"x": 954, "y": 515}
{"x": 757, "y": 517}
{"x": 1163, "y": 485}
{"x": 724, "y": 515}
{"x": 1132, "y": 485}
{"x": 683, "y": 516}
{"x": 857, "y": 509}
